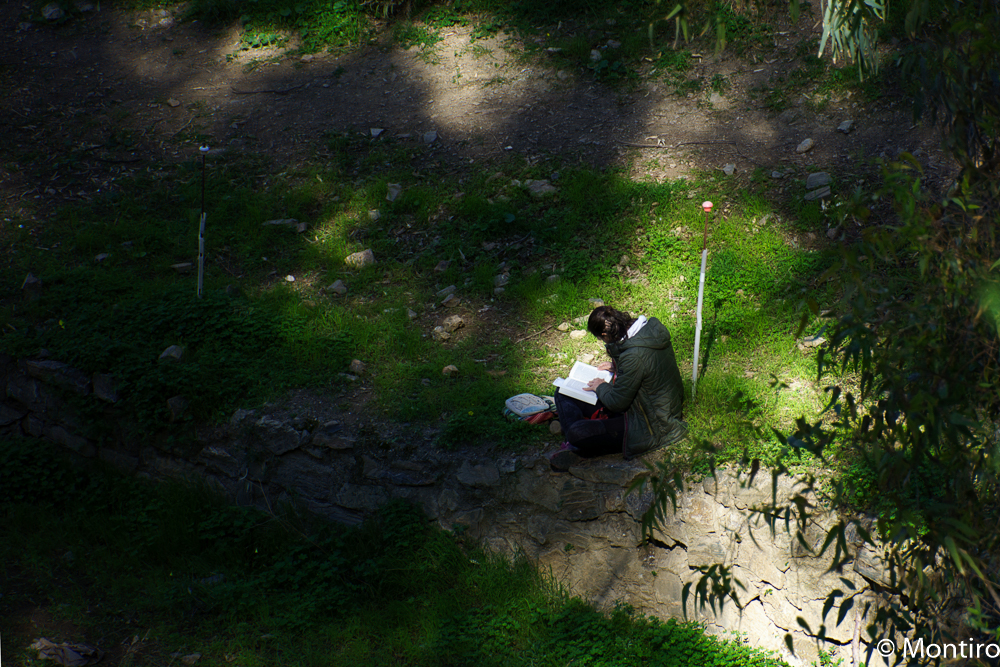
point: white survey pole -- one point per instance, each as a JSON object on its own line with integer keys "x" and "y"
{"x": 707, "y": 206}
{"x": 201, "y": 230}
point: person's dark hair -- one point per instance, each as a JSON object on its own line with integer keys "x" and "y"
{"x": 606, "y": 321}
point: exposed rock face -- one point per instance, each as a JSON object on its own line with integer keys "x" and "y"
{"x": 582, "y": 525}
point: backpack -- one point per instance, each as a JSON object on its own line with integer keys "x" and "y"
{"x": 530, "y": 408}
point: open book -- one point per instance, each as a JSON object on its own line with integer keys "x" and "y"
{"x": 575, "y": 385}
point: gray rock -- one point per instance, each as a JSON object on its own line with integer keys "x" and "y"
{"x": 360, "y": 259}
{"x": 579, "y": 501}
{"x": 440, "y": 334}
{"x": 577, "y": 334}
{"x": 789, "y": 116}
{"x": 239, "y": 416}
{"x": 777, "y": 174}
{"x": 276, "y": 436}
{"x": 410, "y": 314}
{"x": 338, "y": 288}
{"x": 59, "y": 374}
{"x": 280, "y": 222}
{"x": 451, "y": 301}
{"x": 374, "y": 215}
{"x": 552, "y": 279}
{"x": 563, "y": 327}
{"x": 453, "y": 323}
{"x": 450, "y": 289}
{"x": 811, "y": 341}
{"x": 430, "y": 137}
{"x": 449, "y": 370}
{"x": 478, "y": 476}
{"x": 101, "y": 257}
{"x": 219, "y": 459}
{"x": 871, "y": 566}
{"x": 540, "y": 188}
{"x": 707, "y": 551}
{"x": 362, "y": 497}
{"x": 729, "y": 169}
{"x": 52, "y": 12}
{"x": 817, "y": 180}
{"x": 442, "y": 266}
{"x": 357, "y": 367}
{"x": 715, "y": 99}
{"x": 601, "y": 471}
{"x": 832, "y": 233}
{"x": 501, "y": 280}
{"x": 331, "y": 435}
{"x": 173, "y": 353}
{"x": 595, "y": 303}
{"x": 376, "y": 132}
{"x": 406, "y": 474}
{"x": 393, "y": 190}
{"x": 846, "y": 127}
{"x": 820, "y": 193}
{"x": 595, "y": 56}
{"x": 104, "y": 387}
{"x": 806, "y": 146}
{"x": 182, "y": 267}
{"x": 555, "y": 428}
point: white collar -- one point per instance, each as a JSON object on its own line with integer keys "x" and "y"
{"x": 639, "y": 323}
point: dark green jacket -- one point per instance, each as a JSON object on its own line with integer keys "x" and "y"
{"x": 647, "y": 387}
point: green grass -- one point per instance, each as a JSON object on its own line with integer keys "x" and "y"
{"x": 255, "y": 334}
{"x": 149, "y": 571}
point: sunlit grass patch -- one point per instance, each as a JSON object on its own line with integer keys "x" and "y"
{"x": 599, "y": 235}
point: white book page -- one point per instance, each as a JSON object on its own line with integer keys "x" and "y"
{"x": 576, "y": 384}
{"x": 584, "y": 373}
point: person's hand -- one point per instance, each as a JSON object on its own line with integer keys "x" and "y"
{"x": 594, "y": 384}
{"x": 605, "y": 366}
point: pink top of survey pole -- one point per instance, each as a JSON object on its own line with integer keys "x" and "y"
{"x": 707, "y": 205}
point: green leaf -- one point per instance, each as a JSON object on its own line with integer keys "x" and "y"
{"x": 955, "y": 553}
{"x": 678, "y": 8}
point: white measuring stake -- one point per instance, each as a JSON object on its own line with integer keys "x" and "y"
{"x": 697, "y": 330}
{"x": 707, "y": 207}
{"x": 201, "y": 229}
{"x": 201, "y": 255}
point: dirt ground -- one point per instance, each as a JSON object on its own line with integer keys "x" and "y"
{"x": 109, "y": 91}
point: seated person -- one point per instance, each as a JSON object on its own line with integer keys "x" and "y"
{"x": 641, "y": 409}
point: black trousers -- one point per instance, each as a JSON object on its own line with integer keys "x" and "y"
{"x": 593, "y": 437}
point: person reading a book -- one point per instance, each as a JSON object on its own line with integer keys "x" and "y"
{"x": 640, "y": 409}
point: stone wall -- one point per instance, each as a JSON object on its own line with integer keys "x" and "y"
{"x": 581, "y": 525}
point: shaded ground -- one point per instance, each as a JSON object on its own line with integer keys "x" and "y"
{"x": 110, "y": 91}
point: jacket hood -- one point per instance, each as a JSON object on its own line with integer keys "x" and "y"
{"x": 654, "y": 336}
